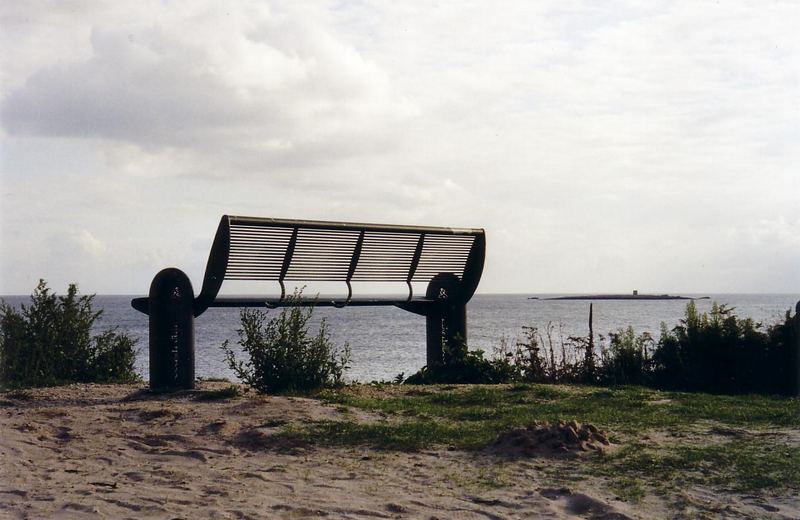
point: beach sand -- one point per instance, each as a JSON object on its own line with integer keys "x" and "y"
{"x": 115, "y": 451}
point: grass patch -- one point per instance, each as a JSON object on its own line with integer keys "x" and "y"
{"x": 743, "y": 410}
{"x": 626, "y": 410}
{"x": 748, "y": 465}
{"x": 628, "y": 488}
{"x": 471, "y": 417}
{"x": 229, "y": 392}
{"x": 412, "y": 435}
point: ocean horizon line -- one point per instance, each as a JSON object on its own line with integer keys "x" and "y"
{"x": 688, "y": 294}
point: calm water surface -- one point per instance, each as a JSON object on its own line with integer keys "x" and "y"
{"x": 386, "y": 340}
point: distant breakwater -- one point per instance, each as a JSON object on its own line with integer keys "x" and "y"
{"x": 628, "y": 297}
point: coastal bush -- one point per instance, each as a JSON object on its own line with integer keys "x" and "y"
{"x": 283, "y": 355}
{"x": 548, "y": 357}
{"x": 50, "y": 342}
{"x": 783, "y": 356}
{"x": 460, "y": 365}
{"x": 626, "y": 361}
{"x": 526, "y": 359}
{"x": 715, "y": 352}
{"x": 718, "y": 352}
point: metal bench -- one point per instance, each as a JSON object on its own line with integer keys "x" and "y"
{"x": 273, "y": 252}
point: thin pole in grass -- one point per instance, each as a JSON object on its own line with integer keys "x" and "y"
{"x": 590, "y": 348}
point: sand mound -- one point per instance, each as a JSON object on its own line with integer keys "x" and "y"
{"x": 562, "y": 438}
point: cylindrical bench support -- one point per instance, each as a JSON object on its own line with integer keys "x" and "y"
{"x": 171, "y": 331}
{"x": 446, "y": 322}
{"x": 445, "y": 325}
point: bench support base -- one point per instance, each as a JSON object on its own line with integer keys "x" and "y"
{"x": 446, "y": 320}
{"x": 171, "y": 331}
{"x": 445, "y": 325}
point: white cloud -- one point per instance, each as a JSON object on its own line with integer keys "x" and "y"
{"x": 89, "y": 244}
{"x": 262, "y": 88}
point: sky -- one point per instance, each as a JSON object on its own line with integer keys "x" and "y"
{"x": 603, "y": 146}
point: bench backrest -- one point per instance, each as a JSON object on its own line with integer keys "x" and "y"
{"x": 264, "y": 249}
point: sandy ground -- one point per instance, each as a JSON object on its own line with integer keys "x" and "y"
{"x": 84, "y": 451}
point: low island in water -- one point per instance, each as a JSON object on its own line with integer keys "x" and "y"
{"x": 633, "y": 296}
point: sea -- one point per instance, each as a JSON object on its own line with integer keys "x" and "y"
{"x": 387, "y": 341}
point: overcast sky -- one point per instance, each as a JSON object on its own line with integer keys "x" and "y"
{"x": 604, "y": 146}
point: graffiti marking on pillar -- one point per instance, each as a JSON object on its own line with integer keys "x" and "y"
{"x": 174, "y": 341}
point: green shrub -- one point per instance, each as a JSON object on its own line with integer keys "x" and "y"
{"x": 626, "y": 361}
{"x": 719, "y": 352}
{"x": 715, "y": 352}
{"x": 50, "y": 342}
{"x": 548, "y": 357}
{"x": 463, "y": 366}
{"x": 783, "y": 357}
{"x": 526, "y": 357}
{"x": 283, "y": 355}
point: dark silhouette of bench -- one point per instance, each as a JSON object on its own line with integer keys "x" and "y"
{"x": 447, "y": 261}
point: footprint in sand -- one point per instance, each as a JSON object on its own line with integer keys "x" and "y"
{"x": 581, "y": 505}
{"x": 63, "y": 434}
{"x": 134, "y": 476}
{"x": 73, "y": 506}
{"x": 151, "y": 415}
{"x": 221, "y": 428}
